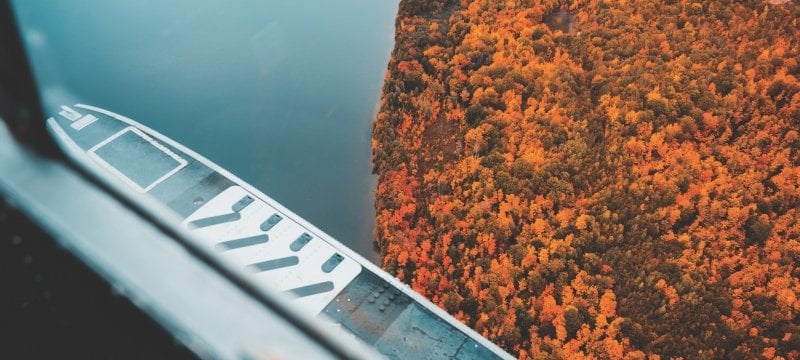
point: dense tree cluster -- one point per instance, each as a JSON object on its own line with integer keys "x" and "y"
{"x": 623, "y": 185}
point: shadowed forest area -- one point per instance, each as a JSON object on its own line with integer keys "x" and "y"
{"x": 603, "y": 179}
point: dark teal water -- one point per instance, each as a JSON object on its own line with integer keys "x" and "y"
{"x": 280, "y": 93}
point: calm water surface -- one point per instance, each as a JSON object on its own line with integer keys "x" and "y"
{"x": 281, "y": 93}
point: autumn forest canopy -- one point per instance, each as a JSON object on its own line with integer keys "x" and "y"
{"x": 600, "y": 179}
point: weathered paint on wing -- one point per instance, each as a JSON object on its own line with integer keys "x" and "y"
{"x": 278, "y": 248}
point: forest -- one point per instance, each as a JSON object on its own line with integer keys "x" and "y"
{"x": 595, "y": 178}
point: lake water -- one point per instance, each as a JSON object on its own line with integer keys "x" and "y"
{"x": 280, "y": 93}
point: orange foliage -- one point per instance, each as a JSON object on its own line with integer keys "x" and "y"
{"x": 598, "y": 179}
